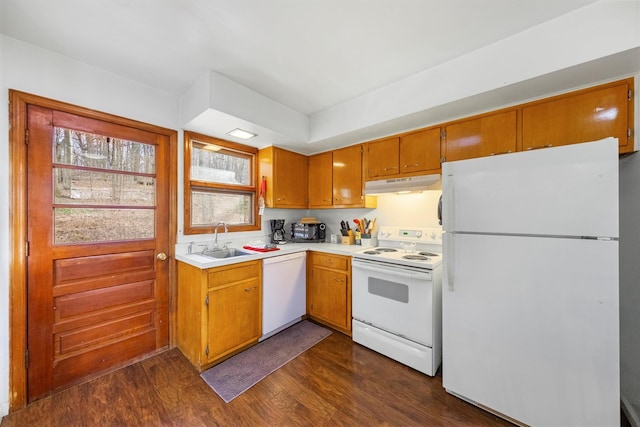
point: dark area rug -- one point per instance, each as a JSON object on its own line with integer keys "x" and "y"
{"x": 235, "y": 375}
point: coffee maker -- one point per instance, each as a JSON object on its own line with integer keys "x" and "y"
{"x": 277, "y": 231}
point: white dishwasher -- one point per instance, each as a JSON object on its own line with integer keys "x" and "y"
{"x": 284, "y": 294}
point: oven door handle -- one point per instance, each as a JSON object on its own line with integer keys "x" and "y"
{"x": 394, "y": 272}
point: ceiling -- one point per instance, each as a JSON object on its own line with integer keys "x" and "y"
{"x": 308, "y": 55}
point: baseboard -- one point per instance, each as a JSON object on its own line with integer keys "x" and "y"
{"x": 630, "y": 411}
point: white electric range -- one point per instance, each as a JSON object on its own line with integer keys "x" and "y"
{"x": 397, "y": 296}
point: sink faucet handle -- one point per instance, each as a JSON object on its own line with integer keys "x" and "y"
{"x": 226, "y": 245}
{"x": 190, "y": 247}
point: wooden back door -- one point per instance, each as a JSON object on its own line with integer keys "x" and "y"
{"x": 98, "y": 235}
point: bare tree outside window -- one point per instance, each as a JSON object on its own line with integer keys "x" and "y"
{"x": 104, "y": 188}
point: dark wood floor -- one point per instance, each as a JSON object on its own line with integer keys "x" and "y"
{"x": 335, "y": 383}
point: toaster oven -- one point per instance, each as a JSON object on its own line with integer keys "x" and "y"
{"x": 308, "y": 232}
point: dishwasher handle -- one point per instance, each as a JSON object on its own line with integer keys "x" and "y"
{"x": 283, "y": 258}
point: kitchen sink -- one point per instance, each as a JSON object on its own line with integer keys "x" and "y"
{"x": 225, "y": 253}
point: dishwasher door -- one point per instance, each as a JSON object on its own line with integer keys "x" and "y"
{"x": 284, "y": 293}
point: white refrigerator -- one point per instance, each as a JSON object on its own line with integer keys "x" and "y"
{"x": 530, "y": 284}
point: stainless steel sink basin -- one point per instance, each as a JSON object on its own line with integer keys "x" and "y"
{"x": 225, "y": 253}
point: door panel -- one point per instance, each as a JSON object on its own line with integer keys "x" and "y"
{"x": 482, "y": 136}
{"x": 531, "y": 316}
{"x": 98, "y": 213}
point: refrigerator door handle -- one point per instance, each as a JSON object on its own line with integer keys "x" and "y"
{"x": 447, "y": 206}
{"x": 447, "y": 251}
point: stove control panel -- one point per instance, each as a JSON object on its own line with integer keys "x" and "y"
{"x": 411, "y": 234}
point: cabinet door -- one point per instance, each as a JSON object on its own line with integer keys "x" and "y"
{"x": 586, "y": 116}
{"x": 328, "y": 297}
{"x": 482, "y": 136}
{"x": 233, "y": 317}
{"x": 347, "y": 176}
{"x": 321, "y": 180}
{"x": 420, "y": 152}
{"x": 290, "y": 179}
{"x": 383, "y": 158}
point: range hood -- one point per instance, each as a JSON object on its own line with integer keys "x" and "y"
{"x": 395, "y": 185}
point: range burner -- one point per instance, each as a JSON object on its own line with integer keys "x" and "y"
{"x": 386, "y": 250}
{"x": 416, "y": 257}
{"x": 372, "y": 252}
{"x": 427, "y": 254}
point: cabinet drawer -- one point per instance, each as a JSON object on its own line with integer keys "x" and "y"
{"x": 330, "y": 261}
{"x": 233, "y": 273}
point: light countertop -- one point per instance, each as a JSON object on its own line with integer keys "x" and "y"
{"x": 203, "y": 262}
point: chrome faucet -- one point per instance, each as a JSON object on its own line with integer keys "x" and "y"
{"x": 215, "y": 238}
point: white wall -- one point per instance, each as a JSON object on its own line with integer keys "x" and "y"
{"x": 630, "y": 286}
{"x": 33, "y": 70}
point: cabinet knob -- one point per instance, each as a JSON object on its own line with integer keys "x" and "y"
{"x": 161, "y": 256}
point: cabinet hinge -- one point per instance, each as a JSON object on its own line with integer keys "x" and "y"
{"x": 206, "y": 350}
{"x": 443, "y": 134}
{"x": 443, "y": 159}
{"x": 26, "y": 136}
{"x": 26, "y": 358}
{"x": 206, "y": 300}
{"x": 26, "y": 248}
{"x": 628, "y": 132}
{"x": 629, "y": 94}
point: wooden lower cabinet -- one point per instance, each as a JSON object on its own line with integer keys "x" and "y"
{"x": 219, "y": 311}
{"x": 329, "y": 290}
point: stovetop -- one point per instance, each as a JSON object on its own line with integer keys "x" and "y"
{"x": 412, "y": 246}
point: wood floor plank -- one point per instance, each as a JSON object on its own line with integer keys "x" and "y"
{"x": 335, "y": 383}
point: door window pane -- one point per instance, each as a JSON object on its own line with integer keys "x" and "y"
{"x": 89, "y": 150}
{"x": 85, "y": 225}
{"x": 87, "y": 187}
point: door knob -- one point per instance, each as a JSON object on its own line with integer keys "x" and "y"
{"x": 161, "y": 256}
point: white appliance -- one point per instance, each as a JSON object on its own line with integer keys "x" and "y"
{"x": 396, "y": 296}
{"x": 530, "y": 287}
{"x": 283, "y": 292}
{"x": 393, "y": 185}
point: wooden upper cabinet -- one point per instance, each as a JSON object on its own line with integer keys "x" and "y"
{"x": 383, "y": 158}
{"x": 347, "y": 177}
{"x": 286, "y": 174}
{"x": 481, "y": 136}
{"x": 336, "y": 180}
{"x": 583, "y": 116}
{"x": 420, "y": 152}
{"x": 321, "y": 180}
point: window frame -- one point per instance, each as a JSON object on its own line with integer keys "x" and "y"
{"x": 191, "y": 185}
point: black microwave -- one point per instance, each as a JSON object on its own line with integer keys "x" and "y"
{"x": 307, "y": 233}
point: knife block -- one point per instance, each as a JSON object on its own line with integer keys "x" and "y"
{"x": 349, "y": 240}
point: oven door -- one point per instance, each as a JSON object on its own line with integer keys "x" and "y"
{"x": 397, "y": 299}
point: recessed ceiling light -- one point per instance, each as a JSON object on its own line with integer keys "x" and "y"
{"x": 242, "y": 134}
